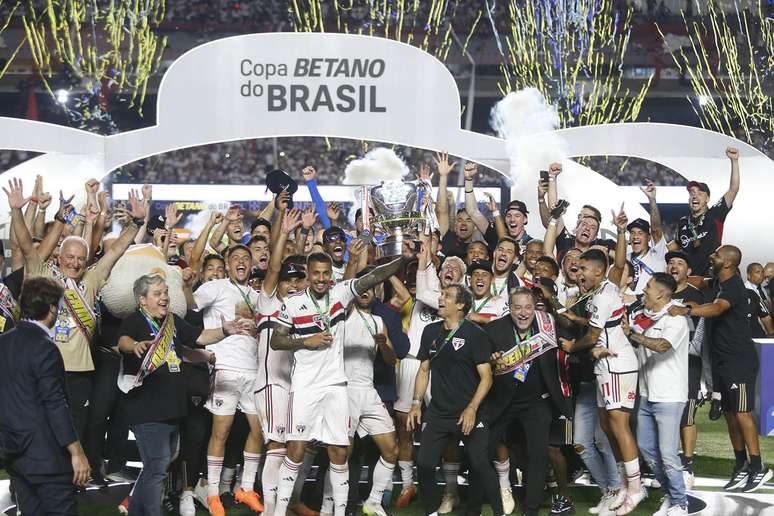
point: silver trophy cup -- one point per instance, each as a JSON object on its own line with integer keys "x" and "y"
{"x": 396, "y": 215}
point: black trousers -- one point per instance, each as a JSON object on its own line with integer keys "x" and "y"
{"x": 105, "y": 417}
{"x": 534, "y": 416}
{"x": 435, "y": 436}
{"x": 79, "y": 389}
{"x": 39, "y": 495}
{"x": 194, "y": 433}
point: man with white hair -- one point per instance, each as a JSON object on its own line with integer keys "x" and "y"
{"x": 77, "y": 319}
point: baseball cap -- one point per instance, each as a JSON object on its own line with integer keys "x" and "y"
{"x": 260, "y": 222}
{"x": 676, "y": 254}
{"x": 290, "y": 269}
{"x": 518, "y": 206}
{"x": 334, "y": 233}
{"x": 639, "y": 224}
{"x": 701, "y": 186}
{"x": 483, "y": 265}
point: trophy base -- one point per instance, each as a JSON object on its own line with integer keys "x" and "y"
{"x": 391, "y": 246}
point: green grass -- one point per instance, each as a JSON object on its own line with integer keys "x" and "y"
{"x": 714, "y": 458}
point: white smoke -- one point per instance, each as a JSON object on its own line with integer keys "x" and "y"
{"x": 196, "y": 223}
{"x": 526, "y": 121}
{"x": 380, "y": 164}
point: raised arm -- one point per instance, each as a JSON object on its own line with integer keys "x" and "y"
{"x": 714, "y": 309}
{"x": 17, "y": 201}
{"x": 656, "y": 229}
{"x": 308, "y": 219}
{"x": 733, "y": 187}
{"x": 310, "y": 178}
{"x": 233, "y": 214}
{"x": 201, "y": 241}
{"x": 136, "y": 214}
{"x": 171, "y": 219}
{"x": 356, "y": 251}
{"x": 281, "y": 203}
{"x": 378, "y": 275}
{"x": 444, "y": 168}
{"x": 288, "y": 224}
{"x": 616, "y": 271}
{"x": 554, "y": 169}
{"x": 542, "y": 191}
{"x": 552, "y": 232}
{"x": 471, "y": 204}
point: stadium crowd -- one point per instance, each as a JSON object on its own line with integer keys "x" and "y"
{"x": 271, "y": 336}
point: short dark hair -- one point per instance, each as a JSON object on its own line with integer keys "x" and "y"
{"x": 665, "y": 280}
{"x": 260, "y": 222}
{"x": 210, "y": 257}
{"x": 551, "y": 262}
{"x": 462, "y": 296}
{"x": 319, "y": 258}
{"x": 235, "y": 247}
{"x": 486, "y": 247}
{"x": 521, "y": 291}
{"x": 257, "y": 238}
{"x": 596, "y": 256}
{"x": 296, "y": 259}
{"x": 753, "y": 264}
{"x": 511, "y": 240}
{"x": 38, "y": 295}
{"x": 535, "y": 241}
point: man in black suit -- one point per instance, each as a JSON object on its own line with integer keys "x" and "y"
{"x": 527, "y": 387}
{"x": 41, "y": 450}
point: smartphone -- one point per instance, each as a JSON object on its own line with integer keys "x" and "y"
{"x": 544, "y": 176}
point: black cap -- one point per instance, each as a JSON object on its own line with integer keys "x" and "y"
{"x": 278, "y": 181}
{"x": 256, "y": 273}
{"x": 518, "y": 206}
{"x": 290, "y": 269}
{"x": 483, "y": 265}
{"x": 359, "y": 212}
{"x": 701, "y": 186}
{"x": 676, "y": 254}
{"x": 639, "y": 224}
{"x": 155, "y": 223}
{"x": 328, "y": 234}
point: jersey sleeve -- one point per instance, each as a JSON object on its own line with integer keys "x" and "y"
{"x": 719, "y": 211}
{"x": 601, "y": 307}
{"x": 187, "y": 334}
{"x": 205, "y": 295}
{"x": 344, "y": 292}
{"x": 285, "y": 316}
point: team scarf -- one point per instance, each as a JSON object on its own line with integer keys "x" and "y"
{"x": 160, "y": 351}
{"x": 85, "y": 318}
{"x": 523, "y": 353}
{"x": 642, "y": 319}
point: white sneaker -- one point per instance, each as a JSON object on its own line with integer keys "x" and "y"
{"x": 631, "y": 503}
{"x": 655, "y": 484}
{"x": 604, "y": 502}
{"x": 508, "y": 503}
{"x": 676, "y": 510}
{"x": 448, "y": 503}
{"x": 663, "y": 508}
{"x": 373, "y": 509}
{"x": 688, "y": 479}
{"x": 187, "y": 507}
{"x": 618, "y": 499}
{"x": 200, "y": 494}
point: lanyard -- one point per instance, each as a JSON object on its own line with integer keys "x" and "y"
{"x": 371, "y": 332}
{"x": 448, "y": 337}
{"x": 326, "y": 317}
{"x": 246, "y": 297}
{"x": 477, "y": 309}
{"x": 154, "y": 326}
{"x": 582, "y": 298}
{"x": 496, "y": 292}
{"x": 521, "y": 341}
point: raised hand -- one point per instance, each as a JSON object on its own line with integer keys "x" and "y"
{"x": 103, "y": 202}
{"x": 356, "y": 247}
{"x": 425, "y": 175}
{"x": 471, "y": 169}
{"x": 189, "y": 277}
{"x": 16, "y": 199}
{"x": 443, "y": 165}
{"x": 732, "y": 153}
{"x": 555, "y": 169}
{"x": 309, "y": 173}
{"x": 216, "y": 217}
{"x": 44, "y": 200}
{"x": 92, "y": 186}
{"x": 147, "y": 192}
{"x": 334, "y": 212}
{"x": 309, "y": 217}
{"x": 649, "y": 189}
{"x": 137, "y": 208}
{"x": 291, "y": 221}
{"x": 620, "y": 220}
{"x": 282, "y": 200}
{"x": 171, "y": 215}
{"x": 234, "y": 213}
{"x": 491, "y": 203}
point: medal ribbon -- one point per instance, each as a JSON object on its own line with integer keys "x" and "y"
{"x": 448, "y": 337}
{"x": 326, "y": 317}
{"x": 246, "y": 298}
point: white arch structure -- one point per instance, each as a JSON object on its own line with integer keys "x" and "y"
{"x": 416, "y": 103}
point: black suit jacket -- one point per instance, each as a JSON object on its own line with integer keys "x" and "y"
{"x": 35, "y": 421}
{"x": 500, "y": 332}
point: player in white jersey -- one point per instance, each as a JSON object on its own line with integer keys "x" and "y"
{"x": 236, "y": 371}
{"x": 505, "y": 254}
{"x": 364, "y": 337}
{"x": 423, "y": 313}
{"x": 486, "y": 306}
{"x": 310, "y": 324}
{"x": 616, "y": 372}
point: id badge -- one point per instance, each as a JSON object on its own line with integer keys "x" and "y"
{"x": 174, "y": 367}
{"x": 61, "y": 332}
{"x": 521, "y": 373}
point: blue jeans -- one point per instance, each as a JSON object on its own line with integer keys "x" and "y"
{"x": 596, "y": 453}
{"x": 157, "y": 442}
{"x": 658, "y": 437}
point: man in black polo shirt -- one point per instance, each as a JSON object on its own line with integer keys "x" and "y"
{"x": 701, "y": 231}
{"x": 734, "y": 365}
{"x": 457, "y": 353}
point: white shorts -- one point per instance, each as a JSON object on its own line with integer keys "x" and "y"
{"x": 320, "y": 415}
{"x": 232, "y": 390}
{"x": 367, "y": 413}
{"x": 405, "y": 381}
{"x": 272, "y": 403}
{"x": 616, "y": 390}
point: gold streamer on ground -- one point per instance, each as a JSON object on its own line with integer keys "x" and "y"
{"x": 729, "y": 62}
{"x": 574, "y": 60}
{"x": 111, "y": 43}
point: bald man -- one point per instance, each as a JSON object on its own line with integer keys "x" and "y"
{"x": 734, "y": 365}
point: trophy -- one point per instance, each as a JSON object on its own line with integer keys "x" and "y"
{"x": 398, "y": 215}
